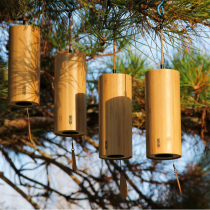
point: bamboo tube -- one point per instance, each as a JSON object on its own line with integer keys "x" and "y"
{"x": 70, "y": 94}
{"x": 115, "y": 116}
{"x": 163, "y": 115}
{"x": 24, "y": 66}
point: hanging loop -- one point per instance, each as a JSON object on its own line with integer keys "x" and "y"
{"x": 158, "y": 9}
{"x": 161, "y": 14}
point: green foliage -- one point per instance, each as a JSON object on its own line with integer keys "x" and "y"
{"x": 130, "y": 62}
{"x": 100, "y": 27}
{"x": 98, "y": 23}
{"x": 58, "y": 35}
{"x": 194, "y": 71}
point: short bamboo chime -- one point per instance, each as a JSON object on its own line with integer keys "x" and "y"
{"x": 24, "y": 68}
{"x": 115, "y": 118}
{"x": 163, "y": 115}
{"x": 70, "y": 94}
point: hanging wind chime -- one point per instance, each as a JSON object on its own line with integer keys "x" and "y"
{"x": 163, "y": 114}
{"x": 115, "y": 119}
{"x": 70, "y": 94}
{"x": 24, "y": 68}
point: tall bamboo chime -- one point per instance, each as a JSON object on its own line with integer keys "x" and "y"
{"x": 24, "y": 66}
{"x": 70, "y": 94}
{"x": 115, "y": 118}
{"x": 163, "y": 114}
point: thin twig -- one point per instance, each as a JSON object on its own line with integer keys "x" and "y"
{"x": 27, "y": 197}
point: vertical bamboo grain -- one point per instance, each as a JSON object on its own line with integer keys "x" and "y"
{"x": 115, "y": 116}
{"x": 163, "y": 115}
{"x": 24, "y": 66}
{"x": 70, "y": 94}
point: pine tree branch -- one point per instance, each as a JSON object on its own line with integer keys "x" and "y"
{"x": 25, "y": 177}
{"x": 68, "y": 171}
{"x": 141, "y": 195}
{"x": 11, "y": 126}
{"x": 27, "y": 197}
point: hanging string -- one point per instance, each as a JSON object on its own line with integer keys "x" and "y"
{"x": 74, "y": 165}
{"x": 120, "y": 167}
{"x": 24, "y": 20}
{"x": 70, "y": 31}
{"x": 161, "y": 29}
{"x": 114, "y": 69}
{"x": 29, "y": 129}
{"x": 175, "y": 171}
{"x": 113, "y": 16}
{"x": 72, "y": 144}
{"x": 161, "y": 65}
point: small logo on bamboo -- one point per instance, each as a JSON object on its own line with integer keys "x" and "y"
{"x": 106, "y": 144}
{"x": 70, "y": 119}
{"x": 24, "y": 89}
{"x": 158, "y": 143}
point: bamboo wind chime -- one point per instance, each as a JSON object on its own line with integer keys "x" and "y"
{"x": 115, "y": 119}
{"x": 163, "y": 114}
{"x": 70, "y": 94}
{"x": 24, "y": 68}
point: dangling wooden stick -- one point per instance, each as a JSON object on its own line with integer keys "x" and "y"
{"x": 123, "y": 185}
{"x": 74, "y": 164}
{"x": 175, "y": 171}
{"x": 29, "y": 129}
